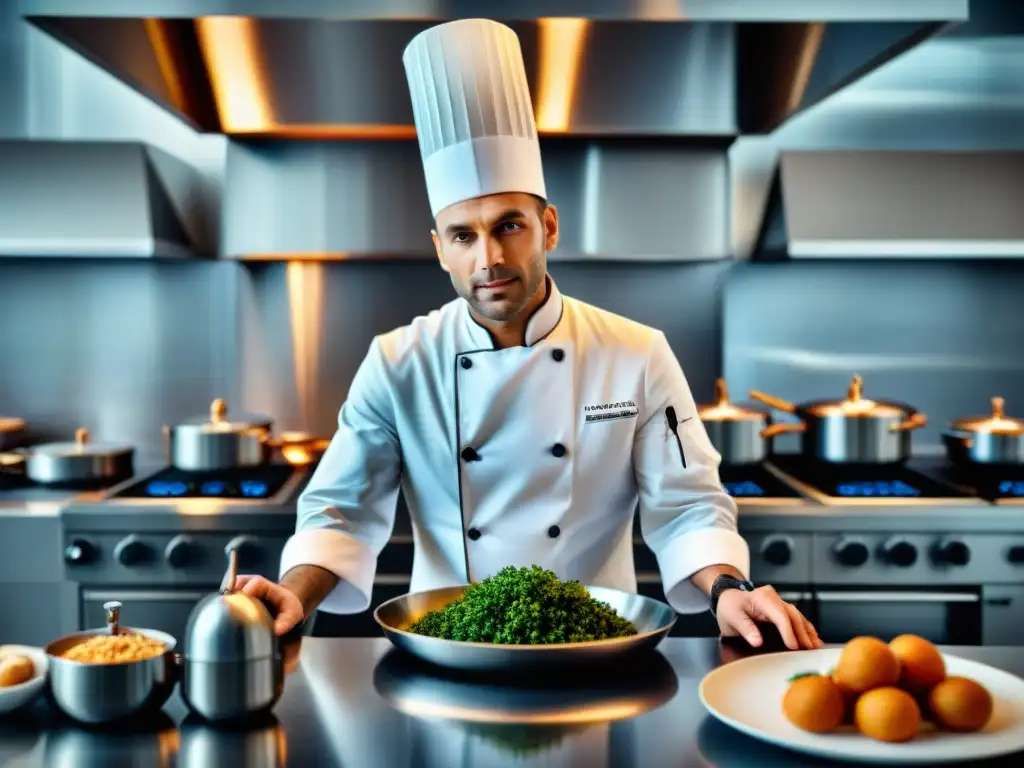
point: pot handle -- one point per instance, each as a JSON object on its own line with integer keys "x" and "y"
{"x": 775, "y": 402}
{"x": 914, "y": 421}
{"x": 782, "y": 428}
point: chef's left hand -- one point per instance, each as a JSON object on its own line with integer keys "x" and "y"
{"x": 739, "y": 612}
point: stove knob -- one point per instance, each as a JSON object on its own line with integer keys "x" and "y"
{"x": 777, "y": 551}
{"x": 131, "y": 550}
{"x": 900, "y": 553}
{"x": 181, "y": 551}
{"x": 851, "y": 553}
{"x": 249, "y": 554}
{"x": 951, "y": 552}
{"x": 79, "y": 552}
{"x": 1016, "y": 555}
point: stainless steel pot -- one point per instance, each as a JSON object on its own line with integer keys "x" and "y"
{"x": 12, "y": 432}
{"x": 855, "y": 430}
{"x": 81, "y": 461}
{"x": 993, "y": 439}
{"x": 107, "y": 693}
{"x": 232, "y": 665}
{"x": 217, "y": 442}
{"x": 735, "y": 432}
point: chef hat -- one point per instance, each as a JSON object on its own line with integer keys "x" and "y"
{"x": 473, "y": 114}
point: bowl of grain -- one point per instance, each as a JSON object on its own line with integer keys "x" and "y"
{"x": 110, "y": 674}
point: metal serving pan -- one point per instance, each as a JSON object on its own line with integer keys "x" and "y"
{"x": 652, "y": 618}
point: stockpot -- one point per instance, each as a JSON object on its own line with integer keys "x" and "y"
{"x": 735, "y": 431}
{"x": 992, "y": 439}
{"x": 218, "y": 442}
{"x": 855, "y": 430}
{"x": 79, "y": 462}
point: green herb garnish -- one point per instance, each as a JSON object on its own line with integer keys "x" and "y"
{"x": 524, "y": 606}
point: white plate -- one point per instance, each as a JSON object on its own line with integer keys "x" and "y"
{"x": 747, "y": 695}
{"x": 18, "y": 696}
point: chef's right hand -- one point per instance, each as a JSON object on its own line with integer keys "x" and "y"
{"x": 285, "y": 604}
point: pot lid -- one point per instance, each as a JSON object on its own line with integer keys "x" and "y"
{"x": 218, "y": 421}
{"x": 723, "y": 410}
{"x": 857, "y": 406}
{"x": 82, "y": 446}
{"x": 997, "y": 423}
{"x": 11, "y": 424}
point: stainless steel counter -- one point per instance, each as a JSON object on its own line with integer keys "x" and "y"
{"x": 355, "y": 703}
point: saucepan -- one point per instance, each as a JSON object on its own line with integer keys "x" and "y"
{"x": 106, "y": 675}
{"x": 735, "y": 431}
{"x": 79, "y": 462}
{"x": 992, "y": 439}
{"x": 216, "y": 441}
{"x": 12, "y": 432}
{"x": 855, "y": 430}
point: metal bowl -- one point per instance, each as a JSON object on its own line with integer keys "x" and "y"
{"x": 107, "y": 693}
{"x": 652, "y": 618}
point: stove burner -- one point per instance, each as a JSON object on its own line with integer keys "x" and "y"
{"x": 996, "y": 483}
{"x": 866, "y": 481}
{"x": 754, "y": 482}
{"x": 235, "y": 483}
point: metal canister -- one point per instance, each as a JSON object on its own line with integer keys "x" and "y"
{"x": 219, "y": 442}
{"x": 232, "y": 666}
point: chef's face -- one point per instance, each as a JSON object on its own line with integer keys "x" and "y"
{"x": 495, "y": 249}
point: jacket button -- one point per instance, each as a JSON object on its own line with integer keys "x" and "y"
{"x": 467, "y": 363}
{"x": 558, "y": 450}
{"x": 473, "y": 533}
{"x": 468, "y": 454}
{"x": 554, "y": 531}
{"x": 558, "y": 355}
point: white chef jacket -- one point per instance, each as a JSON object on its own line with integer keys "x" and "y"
{"x": 528, "y": 455}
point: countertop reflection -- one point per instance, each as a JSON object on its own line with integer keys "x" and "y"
{"x": 356, "y": 702}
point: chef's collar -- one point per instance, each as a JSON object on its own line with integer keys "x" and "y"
{"x": 542, "y": 322}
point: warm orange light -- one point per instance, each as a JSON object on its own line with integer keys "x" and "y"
{"x": 156, "y": 31}
{"x": 305, "y": 281}
{"x": 812, "y": 43}
{"x": 365, "y": 132}
{"x": 231, "y": 53}
{"x": 561, "y": 47}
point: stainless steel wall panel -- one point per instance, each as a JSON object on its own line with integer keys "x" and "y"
{"x": 619, "y": 200}
{"x": 120, "y": 348}
{"x": 305, "y": 327}
{"x": 943, "y": 336}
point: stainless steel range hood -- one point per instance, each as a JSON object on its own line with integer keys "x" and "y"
{"x": 895, "y": 204}
{"x": 91, "y": 199}
{"x": 332, "y": 68}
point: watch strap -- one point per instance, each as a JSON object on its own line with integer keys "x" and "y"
{"x": 725, "y": 582}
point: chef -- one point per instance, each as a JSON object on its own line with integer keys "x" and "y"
{"x": 522, "y": 426}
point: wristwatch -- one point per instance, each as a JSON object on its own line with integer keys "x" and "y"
{"x": 724, "y": 582}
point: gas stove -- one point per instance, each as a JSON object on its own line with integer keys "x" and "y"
{"x": 869, "y": 484}
{"x": 757, "y": 484}
{"x": 158, "y": 543}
